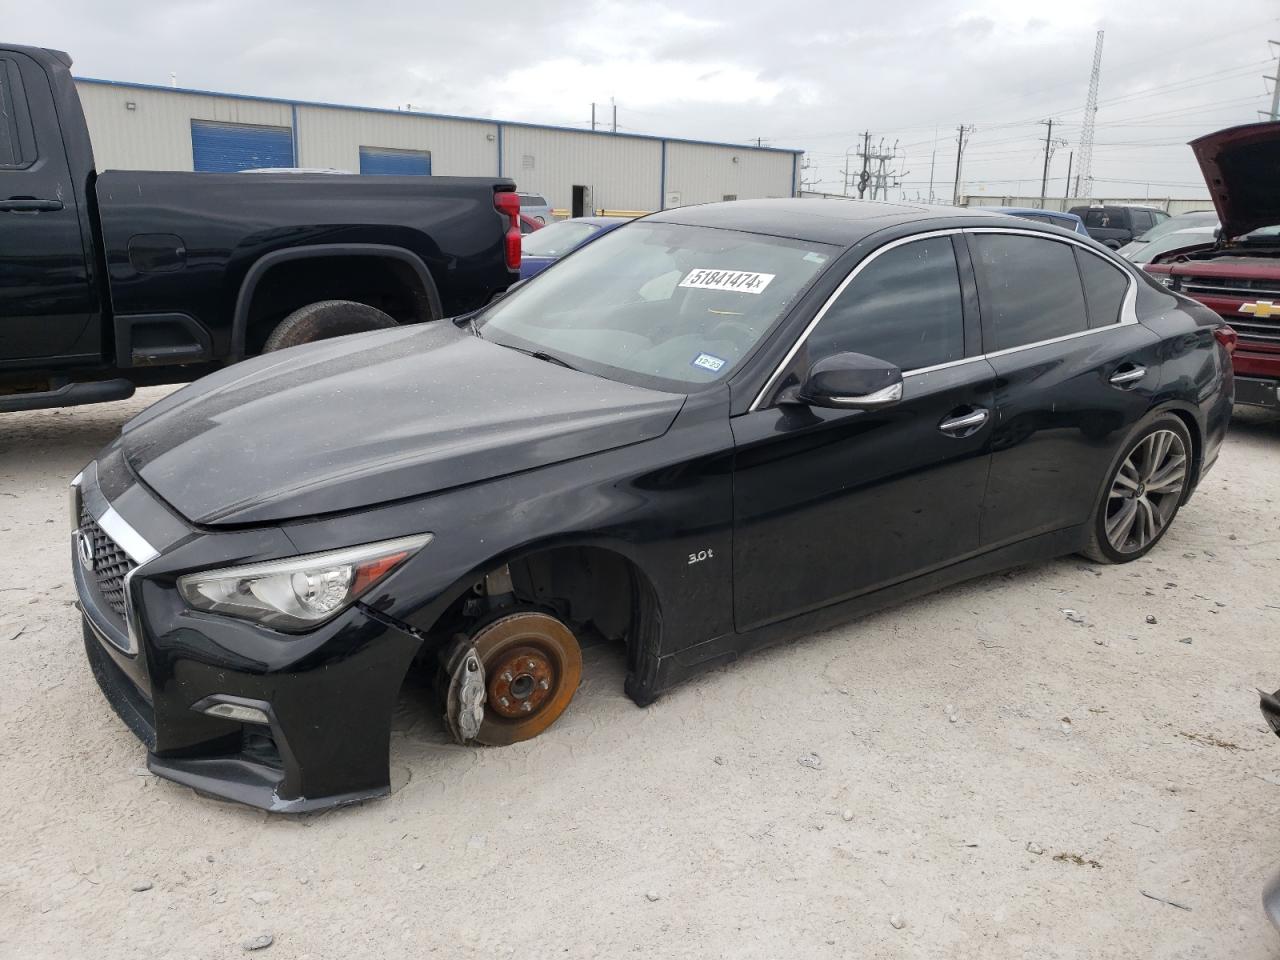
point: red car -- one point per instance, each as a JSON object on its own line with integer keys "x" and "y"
{"x": 1238, "y": 275}
{"x": 528, "y": 224}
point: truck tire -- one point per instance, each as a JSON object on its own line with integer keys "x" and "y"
{"x": 325, "y": 319}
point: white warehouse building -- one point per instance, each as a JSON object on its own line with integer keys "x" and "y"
{"x": 146, "y": 127}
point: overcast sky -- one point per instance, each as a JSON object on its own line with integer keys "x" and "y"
{"x": 809, "y": 75}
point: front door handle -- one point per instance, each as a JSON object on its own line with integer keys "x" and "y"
{"x": 1128, "y": 375}
{"x": 28, "y": 205}
{"x": 964, "y": 424}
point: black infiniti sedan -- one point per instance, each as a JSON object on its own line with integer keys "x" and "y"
{"x": 716, "y": 428}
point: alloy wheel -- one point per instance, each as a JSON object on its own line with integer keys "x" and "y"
{"x": 1146, "y": 491}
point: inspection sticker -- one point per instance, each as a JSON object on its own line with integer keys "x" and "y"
{"x": 738, "y": 281}
{"x": 707, "y": 362}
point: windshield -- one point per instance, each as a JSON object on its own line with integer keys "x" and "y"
{"x": 662, "y": 305}
{"x": 556, "y": 239}
{"x": 1144, "y": 251}
{"x": 1201, "y": 218}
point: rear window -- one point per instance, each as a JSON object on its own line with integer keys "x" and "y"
{"x": 1104, "y": 288}
{"x": 1102, "y": 217}
{"x": 556, "y": 239}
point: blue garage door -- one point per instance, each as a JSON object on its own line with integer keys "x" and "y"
{"x": 399, "y": 163}
{"x": 228, "y": 147}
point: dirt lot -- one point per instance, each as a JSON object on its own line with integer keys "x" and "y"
{"x": 992, "y": 778}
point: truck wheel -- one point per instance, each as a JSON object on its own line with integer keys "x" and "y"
{"x": 1143, "y": 493}
{"x": 325, "y": 319}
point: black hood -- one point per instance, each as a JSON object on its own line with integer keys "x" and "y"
{"x": 1241, "y": 166}
{"x": 356, "y": 421}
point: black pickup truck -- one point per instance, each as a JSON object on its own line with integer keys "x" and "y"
{"x": 114, "y": 280}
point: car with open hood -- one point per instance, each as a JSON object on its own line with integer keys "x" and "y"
{"x": 1236, "y": 273}
{"x": 713, "y": 429}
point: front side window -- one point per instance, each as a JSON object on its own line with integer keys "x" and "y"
{"x": 656, "y": 304}
{"x": 1029, "y": 289}
{"x": 905, "y": 307}
{"x": 1104, "y": 287}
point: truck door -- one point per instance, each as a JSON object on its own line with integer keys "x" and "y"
{"x": 46, "y": 301}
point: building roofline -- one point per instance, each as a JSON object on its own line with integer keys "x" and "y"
{"x": 431, "y": 116}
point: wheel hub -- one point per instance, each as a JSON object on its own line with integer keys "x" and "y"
{"x": 532, "y": 665}
{"x": 521, "y": 682}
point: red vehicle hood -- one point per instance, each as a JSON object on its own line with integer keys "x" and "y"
{"x": 1241, "y": 166}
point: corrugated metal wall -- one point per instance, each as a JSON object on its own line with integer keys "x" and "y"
{"x": 701, "y": 174}
{"x": 332, "y": 137}
{"x": 623, "y": 172}
{"x": 156, "y": 133}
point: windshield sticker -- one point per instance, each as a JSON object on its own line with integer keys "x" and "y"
{"x": 812, "y": 257}
{"x": 737, "y": 281}
{"x": 707, "y": 362}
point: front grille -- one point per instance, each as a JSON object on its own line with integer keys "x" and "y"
{"x": 1250, "y": 327}
{"x": 1241, "y": 287}
{"x": 110, "y": 564}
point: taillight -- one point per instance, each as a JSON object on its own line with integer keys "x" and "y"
{"x": 508, "y": 204}
{"x": 1227, "y": 337}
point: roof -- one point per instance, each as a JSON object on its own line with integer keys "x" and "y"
{"x": 434, "y": 116}
{"x": 842, "y": 222}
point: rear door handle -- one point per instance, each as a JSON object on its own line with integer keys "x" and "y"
{"x": 965, "y": 423}
{"x": 29, "y": 205}
{"x": 1128, "y": 375}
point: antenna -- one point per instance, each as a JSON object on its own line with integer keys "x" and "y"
{"x": 1086, "y": 131}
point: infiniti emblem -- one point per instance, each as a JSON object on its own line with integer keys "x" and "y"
{"x": 84, "y": 547}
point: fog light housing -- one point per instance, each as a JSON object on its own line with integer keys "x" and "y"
{"x": 242, "y": 710}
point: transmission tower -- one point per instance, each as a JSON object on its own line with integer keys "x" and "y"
{"x": 1085, "y": 177}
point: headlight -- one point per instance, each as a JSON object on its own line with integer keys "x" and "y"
{"x": 300, "y": 592}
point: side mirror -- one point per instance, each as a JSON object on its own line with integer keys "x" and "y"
{"x": 851, "y": 381}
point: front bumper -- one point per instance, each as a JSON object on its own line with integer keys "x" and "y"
{"x": 328, "y": 695}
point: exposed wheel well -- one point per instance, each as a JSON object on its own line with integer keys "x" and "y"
{"x": 598, "y": 593}
{"x": 388, "y": 284}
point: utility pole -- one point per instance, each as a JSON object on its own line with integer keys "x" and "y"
{"x": 1066, "y": 191}
{"x": 1275, "y": 86}
{"x": 615, "y": 114}
{"x": 1048, "y": 147}
{"x": 1090, "y": 112}
{"x": 866, "y": 158}
{"x": 962, "y": 131}
{"x": 933, "y": 160}
{"x": 593, "y": 118}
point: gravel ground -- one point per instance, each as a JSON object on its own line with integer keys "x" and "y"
{"x": 977, "y": 774}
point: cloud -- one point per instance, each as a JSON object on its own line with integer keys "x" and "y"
{"x": 811, "y": 76}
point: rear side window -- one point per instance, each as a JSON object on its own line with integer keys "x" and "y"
{"x": 904, "y": 307}
{"x": 1029, "y": 289}
{"x": 1104, "y": 287}
{"x": 1142, "y": 221}
{"x": 10, "y": 96}
{"x": 529, "y": 200}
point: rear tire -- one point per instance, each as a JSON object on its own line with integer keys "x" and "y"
{"x": 1146, "y": 487}
{"x": 325, "y": 319}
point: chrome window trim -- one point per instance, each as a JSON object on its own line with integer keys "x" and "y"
{"x": 1128, "y": 307}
